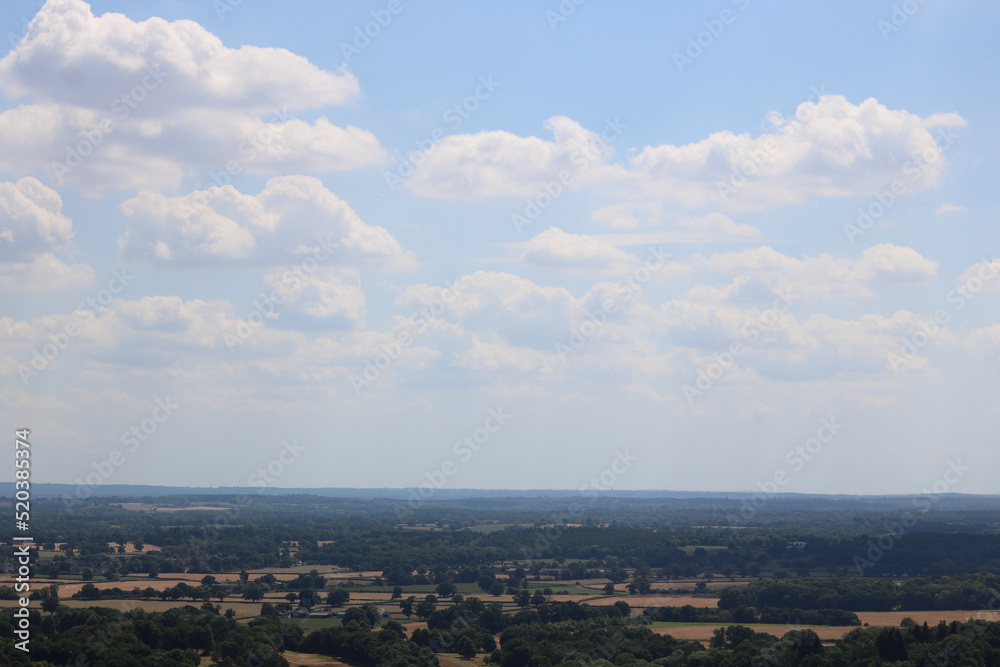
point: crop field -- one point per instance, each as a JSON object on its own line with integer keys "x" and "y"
{"x": 703, "y": 631}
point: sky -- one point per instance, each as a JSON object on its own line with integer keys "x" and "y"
{"x": 720, "y": 246}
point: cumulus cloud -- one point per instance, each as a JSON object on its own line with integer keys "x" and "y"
{"x": 498, "y": 163}
{"x": 947, "y": 208}
{"x": 116, "y": 103}
{"x": 832, "y": 148}
{"x": 31, "y": 220}
{"x": 984, "y": 273}
{"x": 71, "y": 56}
{"x": 715, "y": 227}
{"x": 761, "y": 271}
{"x": 483, "y": 356}
{"x": 32, "y": 229}
{"x": 291, "y": 217}
{"x": 329, "y": 296}
{"x": 515, "y": 309}
{"x": 558, "y": 249}
{"x": 984, "y": 341}
{"x": 892, "y": 263}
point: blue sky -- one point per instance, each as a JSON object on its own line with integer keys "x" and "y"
{"x": 633, "y": 228}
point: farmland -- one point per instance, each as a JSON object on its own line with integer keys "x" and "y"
{"x": 319, "y": 571}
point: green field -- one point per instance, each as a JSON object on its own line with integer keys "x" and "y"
{"x": 310, "y": 624}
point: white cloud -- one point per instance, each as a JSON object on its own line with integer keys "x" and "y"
{"x": 629, "y": 215}
{"x": 715, "y": 227}
{"x": 119, "y": 104}
{"x": 558, "y": 249}
{"x": 498, "y": 163}
{"x": 481, "y": 356}
{"x": 835, "y": 148}
{"x": 32, "y": 229}
{"x": 289, "y": 218}
{"x": 31, "y": 220}
{"x": 946, "y": 208}
{"x": 984, "y": 341}
{"x": 891, "y": 263}
{"x": 44, "y": 272}
{"x": 983, "y": 273}
{"x": 762, "y": 271}
{"x": 71, "y": 56}
{"x": 328, "y": 295}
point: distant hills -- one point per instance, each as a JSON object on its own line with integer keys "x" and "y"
{"x": 950, "y": 501}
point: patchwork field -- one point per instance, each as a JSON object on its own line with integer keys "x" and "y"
{"x": 586, "y": 592}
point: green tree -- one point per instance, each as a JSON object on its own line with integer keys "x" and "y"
{"x": 337, "y": 597}
{"x": 51, "y": 603}
{"x": 446, "y": 589}
{"x": 253, "y": 593}
{"x": 406, "y": 606}
{"x": 425, "y": 608}
{"x": 466, "y": 648}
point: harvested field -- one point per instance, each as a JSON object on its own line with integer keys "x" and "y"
{"x": 243, "y": 609}
{"x": 704, "y": 632}
{"x": 454, "y": 660}
{"x": 932, "y": 617}
{"x": 658, "y": 601}
{"x": 310, "y": 660}
{"x": 353, "y": 575}
{"x": 67, "y": 590}
{"x": 327, "y": 571}
{"x": 567, "y": 598}
{"x": 414, "y": 625}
